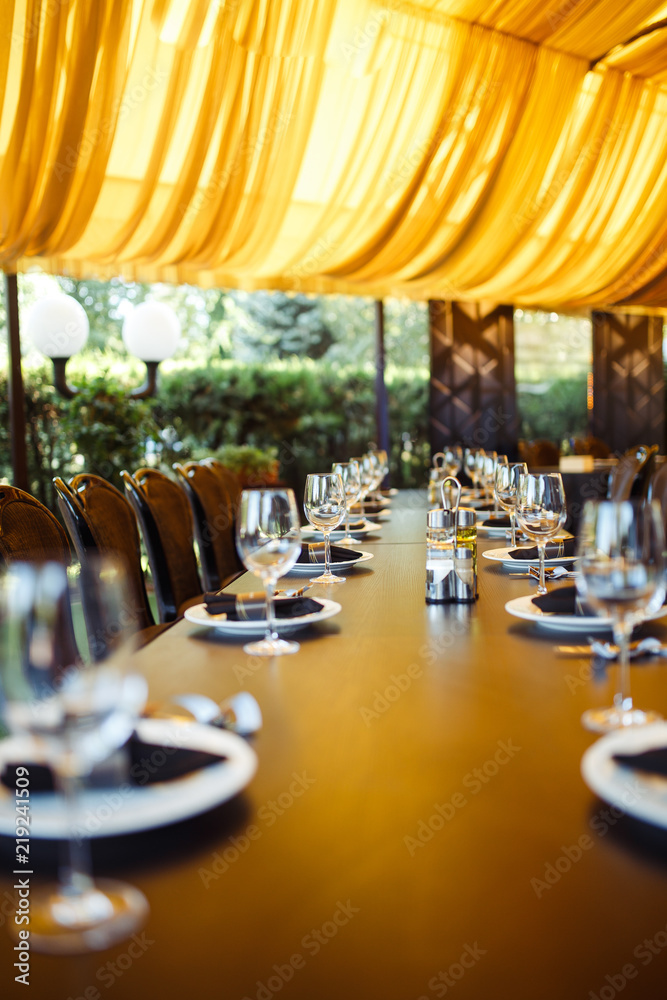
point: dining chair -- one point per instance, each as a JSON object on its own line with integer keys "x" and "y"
{"x": 164, "y": 516}
{"x": 213, "y": 521}
{"x": 101, "y": 522}
{"x": 631, "y": 474}
{"x": 658, "y": 489}
{"x": 29, "y": 532}
{"x": 229, "y": 479}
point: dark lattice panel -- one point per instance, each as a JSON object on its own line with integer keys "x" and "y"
{"x": 472, "y": 393}
{"x": 628, "y": 380}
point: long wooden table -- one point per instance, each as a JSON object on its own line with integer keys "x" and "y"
{"x": 417, "y": 827}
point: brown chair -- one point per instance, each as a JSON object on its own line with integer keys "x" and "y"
{"x": 657, "y": 489}
{"x": 632, "y": 473}
{"x": 213, "y": 520}
{"x": 163, "y": 512}
{"x": 101, "y": 521}
{"x": 30, "y": 533}
{"x": 230, "y": 481}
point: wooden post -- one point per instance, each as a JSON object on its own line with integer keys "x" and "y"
{"x": 381, "y": 398}
{"x": 17, "y": 424}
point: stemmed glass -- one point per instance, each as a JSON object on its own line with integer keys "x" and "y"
{"x": 621, "y": 550}
{"x": 453, "y": 460}
{"x": 324, "y": 504}
{"x": 73, "y": 715}
{"x": 472, "y": 460}
{"x": 268, "y": 539}
{"x": 541, "y": 512}
{"x": 351, "y": 476}
{"x": 505, "y": 484}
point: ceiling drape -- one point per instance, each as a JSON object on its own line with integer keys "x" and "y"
{"x": 509, "y": 151}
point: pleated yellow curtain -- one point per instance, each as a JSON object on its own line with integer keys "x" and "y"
{"x": 442, "y": 148}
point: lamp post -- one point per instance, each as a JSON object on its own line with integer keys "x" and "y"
{"x": 58, "y": 326}
{"x": 151, "y": 332}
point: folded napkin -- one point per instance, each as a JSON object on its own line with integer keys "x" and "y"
{"x": 252, "y": 606}
{"x": 652, "y": 761}
{"x": 554, "y": 550}
{"x": 497, "y": 521}
{"x": 562, "y": 601}
{"x": 148, "y": 763}
{"x": 313, "y": 552}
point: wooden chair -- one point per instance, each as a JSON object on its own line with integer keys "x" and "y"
{"x": 632, "y": 473}
{"x": 29, "y": 532}
{"x": 230, "y": 481}
{"x": 100, "y": 521}
{"x": 163, "y": 512}
{"x": 213, "y": 520}
{"x": 657, "y": 489}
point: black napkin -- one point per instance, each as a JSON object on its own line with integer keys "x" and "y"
{"x": 313, "y": 552}
{"x": 252, "y": 606}
{"x": 562, "y": 601}
{"x": 554, "y": 550}
{"x": 651, "y": 761}
{"x": 369, "y": 508}
{"x": 501, "y": 521}
{"x": 148, "y": 763}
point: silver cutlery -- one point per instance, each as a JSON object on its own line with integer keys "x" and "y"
{"x": 240, "y": 713}
{"x": 608, "y": 651}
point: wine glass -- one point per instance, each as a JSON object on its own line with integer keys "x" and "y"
{"x": 324, "y": 504}
{"x": 505, "y": 484}
{"x": 453, "y": 460}
{"x": 366, "y": 474}
{"x": 268, "y": 539}
{"x": 541, "y": 511}
{"x": 351, "y": 476}
{"x": 71, "y": 714}
{"x": 621, "y": 550}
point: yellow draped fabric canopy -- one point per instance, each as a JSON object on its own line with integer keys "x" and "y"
{"x": 512, "y": 150}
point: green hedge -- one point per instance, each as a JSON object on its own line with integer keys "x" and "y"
{"x": 311, "y": 413}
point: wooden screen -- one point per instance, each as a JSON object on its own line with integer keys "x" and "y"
{"x": 472, "y": 392}
{"x": 628, "y": 380}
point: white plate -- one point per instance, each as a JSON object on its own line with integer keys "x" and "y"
{"x": 245, "y": 630}
{"x": 310, "y": 569}
{"x": 523, "y": 607}
{"x": 639, "y": 794}
{"x": 365, "y": 529}
{"x": 107, "y": 812}
{"x": 492, "y": 532}
{"x": 503, "y": 556}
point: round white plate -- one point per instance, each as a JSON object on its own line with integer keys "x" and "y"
{"x": 637, "y": 793}
{"x": 492, "y": 532}
{"x": 366, "y": 529}
{"x": 310, "y": 569}
{"x": 523, "y": 607}
{"x": 244, "y": 630}
{"x": 503, "y": 556}
{"x": 107, "y": 812}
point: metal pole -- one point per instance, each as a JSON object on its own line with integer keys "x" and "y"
{"x": 381, "y": 398}
{"x": 17, "y": 422}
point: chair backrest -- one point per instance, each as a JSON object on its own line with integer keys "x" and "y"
{"x": 101, "y": 521}
{"x": 657, "y": 489}
{"x": 29, "y": 532}
{"x": 213, "y": 520}
{"x": 163, "y": 512}
{"x": 622, "y": 477}
{"x": 632, "y": 473}
{"x": 230, "y": 481}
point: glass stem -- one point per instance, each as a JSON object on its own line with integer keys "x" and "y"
{"x": 541, "y": 552}
{"x": 622, "y": 633}
{"x": 75, "y": 869}
{"x": 513, "y": 526}
{"x": 347, "y": 522}
{"x": 269, "y": 588}
{"x": 327, "y": 553}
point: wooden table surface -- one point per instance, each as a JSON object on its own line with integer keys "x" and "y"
{"x": 417, "y": 827}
